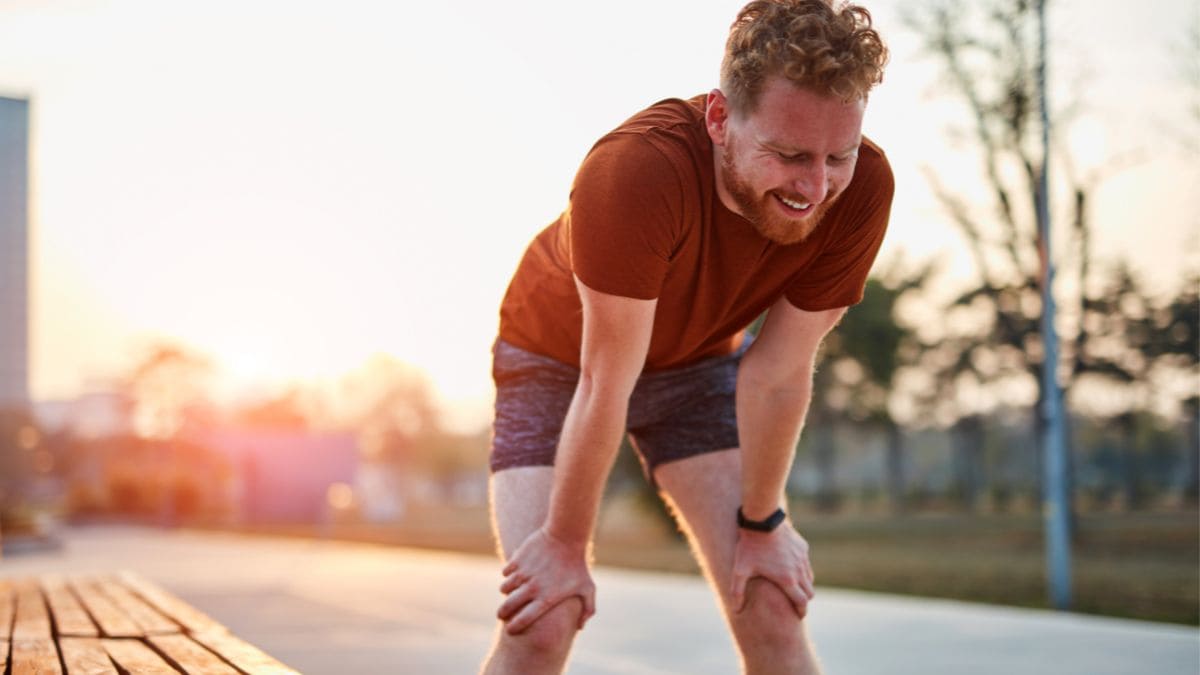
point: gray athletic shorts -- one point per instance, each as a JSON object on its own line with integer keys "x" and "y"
{"x": 673, "y": 414}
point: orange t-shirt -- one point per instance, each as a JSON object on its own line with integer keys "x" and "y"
{"x": 644, "y": 221}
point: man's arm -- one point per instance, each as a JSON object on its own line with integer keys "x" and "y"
{"x": 774, "y": 389}
{"x": 551, "y": 565}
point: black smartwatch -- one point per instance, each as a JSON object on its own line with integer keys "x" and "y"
{"x": 766, "y": 525}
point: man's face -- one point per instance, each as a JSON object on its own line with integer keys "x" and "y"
{"x": 784, "y": 164}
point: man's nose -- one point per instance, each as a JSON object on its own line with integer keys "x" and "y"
{"x": 813, "y": 183}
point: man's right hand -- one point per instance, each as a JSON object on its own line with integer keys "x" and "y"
{"x": 543, "y": 572}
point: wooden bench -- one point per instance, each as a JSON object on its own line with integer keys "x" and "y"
{"x": 105, "y": 625}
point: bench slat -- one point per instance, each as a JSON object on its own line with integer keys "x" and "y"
{"x": 33, "y": 620}
{"x": 177, "y": 610}
{"x": 135, "y": 657}
{"x": 242, "y": 654}
{"x": 85, "y": 656}
{"x": 114, "y": 622}
{"x": 35, "y": 657}
{"x": 8, "y": 608}
{"x": 190, "y": 656}
{"x": 81, "y": 609}
{"x": 146, "y": 617}
{"x": 69, "y": 616}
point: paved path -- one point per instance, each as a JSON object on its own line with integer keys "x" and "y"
{"x": 339, "y": 608}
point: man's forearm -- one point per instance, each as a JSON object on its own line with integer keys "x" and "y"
{"x": 769, "y": 421}
{"x": 587, "y": 448}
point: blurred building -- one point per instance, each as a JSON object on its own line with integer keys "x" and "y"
{"x": 284, "y": 476}
{"x": 14, "y": 252}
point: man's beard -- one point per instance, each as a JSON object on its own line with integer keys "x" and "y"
{"x": 764, "y": 215}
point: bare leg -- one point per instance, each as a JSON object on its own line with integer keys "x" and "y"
{"x": 704, "y": 492}
{"x": 520, "y": 500}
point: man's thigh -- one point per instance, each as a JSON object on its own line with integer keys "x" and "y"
{"x": 704, "y": 492}
{"x": 520, "y": 501}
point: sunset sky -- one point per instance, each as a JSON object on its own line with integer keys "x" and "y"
{"x": 293, "y": 187}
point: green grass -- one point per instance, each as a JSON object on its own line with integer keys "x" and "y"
{"x": 1144, "y": 566}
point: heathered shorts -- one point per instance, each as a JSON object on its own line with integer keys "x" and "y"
{"x": 673, "y": 414}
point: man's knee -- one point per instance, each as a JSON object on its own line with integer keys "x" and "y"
{"x": 769, "y": 620}
{"x": 552, "y": 634}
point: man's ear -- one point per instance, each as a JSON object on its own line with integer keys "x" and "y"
{"x": 716, "y": 116}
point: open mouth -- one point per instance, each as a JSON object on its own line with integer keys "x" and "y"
{"x": 792, "y": 205}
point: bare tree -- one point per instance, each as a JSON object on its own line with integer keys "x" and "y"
{"x": 988, "y": 54}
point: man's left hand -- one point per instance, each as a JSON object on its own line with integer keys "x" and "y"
{"x": 779, "y": 556}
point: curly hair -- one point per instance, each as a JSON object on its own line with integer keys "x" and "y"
{"x": 831, "y": 50}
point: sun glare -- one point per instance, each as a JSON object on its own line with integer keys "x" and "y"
{"x": 247, "y": 366}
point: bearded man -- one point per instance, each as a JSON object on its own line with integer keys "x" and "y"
{"x": 629, "y": 314}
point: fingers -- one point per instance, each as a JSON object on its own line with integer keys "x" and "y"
{"x": 799, "y": 598}
{"x": 807, "y": 585}
{"x": 525, "y": 618}
{"x": 523, "y": 591}
{"x": 515, "y": 601}
{"x": 512, "y": 583}
{"x": 798, "y": 590}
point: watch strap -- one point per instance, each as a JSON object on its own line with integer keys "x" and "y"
{"x": 766, "y": 525}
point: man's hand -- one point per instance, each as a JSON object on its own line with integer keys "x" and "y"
{"x": 543, "y": 572}
{"x": 781, "y": 557}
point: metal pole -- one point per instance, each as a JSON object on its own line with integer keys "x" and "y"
{"x": 1056, "y": 503}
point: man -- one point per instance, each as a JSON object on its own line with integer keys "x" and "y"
{"x": 628, "y": 314}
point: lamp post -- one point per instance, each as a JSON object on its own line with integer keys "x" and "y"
{"x": 1056, "y": 504}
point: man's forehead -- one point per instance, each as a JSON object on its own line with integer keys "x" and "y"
{"x": 794, "y": 118}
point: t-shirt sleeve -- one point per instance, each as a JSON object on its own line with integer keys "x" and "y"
{"x": 624, "y": 217}
{"x": 838, "y": 276}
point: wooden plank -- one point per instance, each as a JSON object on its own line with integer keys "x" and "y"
{"x": 8, "y": 609}
{"x": 112, "y": 621}
{"x": 35, "y": 657}
{"x": 190, "y": 656}
{"x": 85, "y": 656}
{"x": 245, "y": 656}
{"x": 69, "y": 617}
{"x": 192, "y": 619}
{"x": 146, "y": 617}
{"x": 134, "y": 657}
{"x": 33, "y": 619}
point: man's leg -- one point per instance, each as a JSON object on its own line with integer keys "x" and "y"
{"x": 520, "y": 501}
{"x": 704, "y": 492}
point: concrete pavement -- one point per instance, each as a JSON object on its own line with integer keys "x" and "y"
{"x": 341, "y": 608}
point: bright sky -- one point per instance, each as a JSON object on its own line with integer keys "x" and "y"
{"x": 291, "y": 187}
